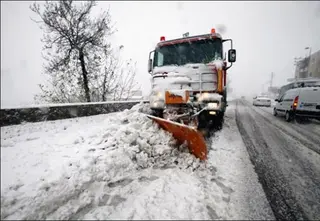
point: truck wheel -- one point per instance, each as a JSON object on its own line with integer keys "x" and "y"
{"x": 219, "y": 121}
{"x": 202, "y": 120}
{"x": 157, "y": 113}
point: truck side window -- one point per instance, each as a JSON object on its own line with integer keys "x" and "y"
{"x": 160, "y": 59}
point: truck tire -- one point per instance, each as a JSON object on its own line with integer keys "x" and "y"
{"x": 210, "y": 122}
{"x": 202, "y": 120}
{"x": 218, "y": 123}
{"x": 157, "y": 113}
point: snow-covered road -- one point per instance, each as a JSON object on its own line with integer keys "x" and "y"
{"x": 122, "y": 166}
{"x": 286, "y": 157}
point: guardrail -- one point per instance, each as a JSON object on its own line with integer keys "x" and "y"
{"x": 37, "y": 113}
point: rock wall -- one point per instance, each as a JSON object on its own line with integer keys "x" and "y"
{"x": 36, "y": 114}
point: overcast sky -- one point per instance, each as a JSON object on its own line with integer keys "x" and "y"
{"x": 267, "y": 37}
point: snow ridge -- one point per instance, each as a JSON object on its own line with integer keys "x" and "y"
{"x": 127, "y": 143}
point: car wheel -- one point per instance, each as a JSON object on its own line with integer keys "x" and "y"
{"x": 288, "y": 116}
{"x": 275, "y": 112}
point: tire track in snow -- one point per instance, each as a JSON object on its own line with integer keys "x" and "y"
{"x": 279, "y": 195}
{"x": 311, "y": 142}
{"x": 312, "y": 127}
{"x": 297, "y": 163}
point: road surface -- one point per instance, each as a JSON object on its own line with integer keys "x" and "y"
{"x": 286, "y": 159}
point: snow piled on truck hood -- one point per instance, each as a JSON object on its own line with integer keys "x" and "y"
{"x": 178, "y": 77}
{"x": 187, "y": 69}
{"x": 174, "y": 82}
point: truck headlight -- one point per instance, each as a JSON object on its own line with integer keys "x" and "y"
{"x": 203, "y": 96}
{"x": 157, "y": 104}
{"x": 212, "y": 105}
{"x": 158, "y": 94}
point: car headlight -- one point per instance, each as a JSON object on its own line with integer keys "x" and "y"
{"x": 212, "y": 105}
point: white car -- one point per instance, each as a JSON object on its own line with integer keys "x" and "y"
{"x": 299, "y": 103}
{"x": 262, "y": 101}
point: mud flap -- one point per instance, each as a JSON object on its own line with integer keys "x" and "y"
{"x": 195, "y": 140}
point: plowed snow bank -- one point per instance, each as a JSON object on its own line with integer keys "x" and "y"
{"x": 122, "y": 166}
{"x": 52, "y": 163}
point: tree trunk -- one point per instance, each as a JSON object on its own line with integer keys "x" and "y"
{"x": 85, "y": 76}
{"x": 104, "y": 87}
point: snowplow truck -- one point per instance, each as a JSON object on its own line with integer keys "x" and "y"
{"x": 188, "y": 92}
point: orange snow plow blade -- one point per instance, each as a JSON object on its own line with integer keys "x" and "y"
{"x": 181, "y": 132}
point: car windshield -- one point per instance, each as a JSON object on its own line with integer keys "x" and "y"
{"x": 202, "y": 51}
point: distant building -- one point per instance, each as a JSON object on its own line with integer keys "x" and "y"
{"x": 309, "y": 66}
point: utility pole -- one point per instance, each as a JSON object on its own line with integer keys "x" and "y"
{"x": 306, "y": 48}
{"x": 271, "y": 80}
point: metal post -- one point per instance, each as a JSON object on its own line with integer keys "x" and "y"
{"x": 309, "y": 59}
{"x": 310, "y": 52}
{"x": 271, "y": 79}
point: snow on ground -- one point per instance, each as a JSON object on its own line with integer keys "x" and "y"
{"x": 122, "y": 166}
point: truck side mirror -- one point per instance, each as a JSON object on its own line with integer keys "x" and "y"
{"x": 150, "y": 66}
{"x": 232, "y": 55}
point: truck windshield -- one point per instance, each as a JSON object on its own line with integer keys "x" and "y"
{"x": 202, "y": 51}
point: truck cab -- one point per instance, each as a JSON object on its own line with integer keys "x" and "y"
{"x": 189, "y": 76}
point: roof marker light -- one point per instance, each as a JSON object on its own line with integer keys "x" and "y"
{"x": 162, "y": 38}
{"x": 213, "y": 31}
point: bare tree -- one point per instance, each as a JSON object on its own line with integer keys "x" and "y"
{"x": 116, "y": 78}
{"x": 74, "y": 45}
{"x": 117, "y": 81}
{"x": 126, "y": 83}
{"x": 64, "y": 86}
